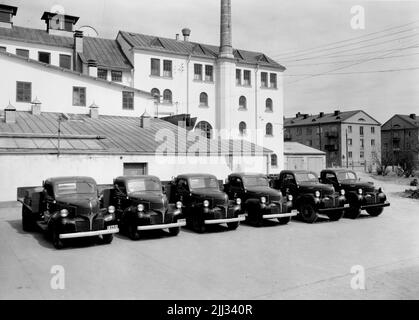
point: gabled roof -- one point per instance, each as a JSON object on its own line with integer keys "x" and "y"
{"x": 294, "y": 148}
{"x": 406, "y": 118}
{"x": 106, "y": 135}
{"x": 316, "y": 119}
{"x": 105, "y": 51}
{"x": 142, "y": 41}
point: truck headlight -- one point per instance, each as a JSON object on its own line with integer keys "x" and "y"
{"x": 140, "y": 207}
{"x": 317, "y": 194}
{"x": 111, "y": 209}
{"x": 359, "y": 191}
{"x": 342, "y": 192}
{"x": 238, "y": 201}
{"x": 178, "y": 204}
{"x": 64, "y": 213}
{"x": 263, "y": 199}
{"x": 290, "y": 197}
{"x": 109, "y": 217}
{"x": 206, "y": 203}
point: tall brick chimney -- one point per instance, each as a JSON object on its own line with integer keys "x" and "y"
{"x": 226, "y": 47}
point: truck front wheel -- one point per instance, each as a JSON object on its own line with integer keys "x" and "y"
{"x": 335, "y": 216}
{"x": 308, "y": 214}
{"x": 27, "y": 221}
{"x": 375, "y": 212}
{"x": 283, "y": 221}
{"x": 353, "y": 212}
{"x": 133, "y": 232}
{"x": 106, "y": 238}
{"x": 56, "y": 241}
{"x": 232, "y": 225}
{"x": 174, "y": 231}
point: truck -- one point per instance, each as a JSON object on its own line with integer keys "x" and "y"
{"x": 204, "y": 203}
{"x": 68, "y": 207}
{"x": 259, "y": 201}
{"x": 141, "y": 204}
{"x": 361, "y": 195}
{"x": 312, "y": 198}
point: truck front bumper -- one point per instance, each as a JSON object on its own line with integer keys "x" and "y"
{"x": 293, "y": 213}
{"x": 88, "y": 233}
{"x": 375, "y": 205}
{"x": 327, "y": 210}
{"x": 241, "y": 217}
{"x": 179, "y": 223}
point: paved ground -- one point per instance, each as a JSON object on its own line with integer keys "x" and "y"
{"x": 297, "y": 261}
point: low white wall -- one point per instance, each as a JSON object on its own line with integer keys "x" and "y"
{"x": 30, "y": 170}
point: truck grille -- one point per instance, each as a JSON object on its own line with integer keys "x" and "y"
{"x": 330, "y": 203}
{"x": 84, "y": 226}
{"x": 370, "y": 200}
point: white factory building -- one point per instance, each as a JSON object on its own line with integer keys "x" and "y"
{"x": 221, "y": 92}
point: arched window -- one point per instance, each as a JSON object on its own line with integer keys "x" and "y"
{"x": 167, "y": 96}
{"x": 204, "y": 128}
{"x": 203, "y": 99}
{"x": 242, "y": 128}
{"x": 274, "y": 160}
{"x": 242, "y": 102}
{"x": 269, "y": 129}
{"x": 156, "y": 94}
{"x": 269, "y": 105}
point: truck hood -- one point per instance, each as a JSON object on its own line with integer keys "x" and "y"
{"x": 355, "y": 186}
{"x": 312, "y": 187}
{"x": 210, "y": 194}
{"x": 156, "y": 199}
{"x": 263, "y": 192}
{"x": 83, "y": 204}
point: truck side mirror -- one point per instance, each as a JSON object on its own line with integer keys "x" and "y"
{"x": 163, "y": 189}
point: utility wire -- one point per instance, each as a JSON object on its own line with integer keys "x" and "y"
{"x": 354, "y": 72}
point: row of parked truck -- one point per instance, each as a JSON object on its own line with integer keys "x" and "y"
{"x": 76, "y": 207}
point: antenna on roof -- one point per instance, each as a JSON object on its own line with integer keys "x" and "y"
{"x": 89, "y": 31}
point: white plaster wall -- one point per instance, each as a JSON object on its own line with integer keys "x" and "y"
{"x": 30, "y": 170}
{"x": 54, "y": 89}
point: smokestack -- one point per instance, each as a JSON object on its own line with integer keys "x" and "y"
{"x": 226, "y": 47}
{"x": 94, "y": 111}
{"x": 36, "y": 107}
{"x": 10, "y": 114}
{"x": 78, "y": 48}
{"x": 145, "y": 120}
{"x": 186, "y": 34}
{"x": 413, "y": 116}
{"x": 177, "y": 37}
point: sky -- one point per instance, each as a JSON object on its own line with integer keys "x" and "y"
{"x": 314, "y": 40}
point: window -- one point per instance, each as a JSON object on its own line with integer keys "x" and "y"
{"x": 203, "y": 99}
{"x": 135, "y": 169}
{"x": 167, "y": 96}
{"x": 372, "y": 142}
{"x": 361, "y": 143}
{"x": 68, "y": 25}
{"x": 264, "y": 79}
{"x": 205, "y": 129}
{"x": 299, "y": 131}
{"x": 361, "y": 154}
{"x": 167, "y": 68}
{"x": 385, "y": 145}
{"x": 65, "y": 61}
{"x": 349, "y": 129}
{"x": 246, "y": 77}
{"x": 22, "y": 53}
{"x": 209, "y": 73}
{"x": 309, "y": 143}
{"x": 274, "y": 160}
{"x": 156, "y": 94}
{"x": 44, "y": 57}
{"x": 238, "y": 77}
{"x": 269, "y": 129}
{"x": 274, "y": 83}
{"x": 23, "y": 91}
{"x": 102, "y": 74}
{"x": 2, "y": 49}
{"x": 198, "y": 72}
{"x": 361, "y": 131}
{"x": 269, "y": 105}
{"x": 350, "y": 154}
{"x": 5, "y": 17}
{"x": 79, "y": 96}
{"x": 242, "y": 128}
{"x": 349, "y": 142}
{"x": 242, "y": 102}
{"x": 372, "y": 130}
{"x": 155, "y": 67}
{"x": 128, "y": 100}
{"x": 116, "y": 76}
{"x": 309, "y": 131}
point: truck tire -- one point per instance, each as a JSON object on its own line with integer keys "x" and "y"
{"x": 133, "y": 233}
{"x": 27, "y": 221}
{"x": 375, "y": 212}
{"x": 233, "y": 225}
{"x": 174, "y": 231}
{"x": 283, "y": 221}
{"x": 106, "y": 238}
{"x": 56, "y": 241}
{"x": 353, "y": 212}
{"x": 335, "y": 216}
{"x": 198, "y": 225}
{"x": 307, "y": 213}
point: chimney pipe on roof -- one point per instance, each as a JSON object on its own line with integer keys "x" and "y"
{"x": 413, "y": 116}
{"x": 36, "y": 107}
{"x": 94, "y": 111}
{"x": 145, "y": 120}
{"x": 78, "y": 49}
{"x": 7, "y": 13}
{"x": 337, "y": 112}
{"x": 92, "y": 65}
{"x": 321, "y": 114}
{"x": 10, "y": 114}
{"x": 186, "y": 32}
{"x": 298, "y": 114}
{"x": 177, "y": 37}
{"x": 226, "y": 46}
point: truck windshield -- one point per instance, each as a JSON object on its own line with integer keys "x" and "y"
{"x": 306, "y": 177}
{"x": 77, "y": 187}
{"x": 346, "y": 175}
{"x": 255, "y": 181}
{"x": 203, "y": 183}
{"x": 141, "y": 185}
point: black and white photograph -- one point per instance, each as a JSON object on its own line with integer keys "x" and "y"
{"x": 209, "y": 150}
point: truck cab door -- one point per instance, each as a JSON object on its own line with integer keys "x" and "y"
{"x": 182, "y": 191}
{"x": 289, "y": 184}
{"x": 330, "y": 178}
{"x": 236, "y": 188}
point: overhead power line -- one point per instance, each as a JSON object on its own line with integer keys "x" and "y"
{"x": 353, "y": 72}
